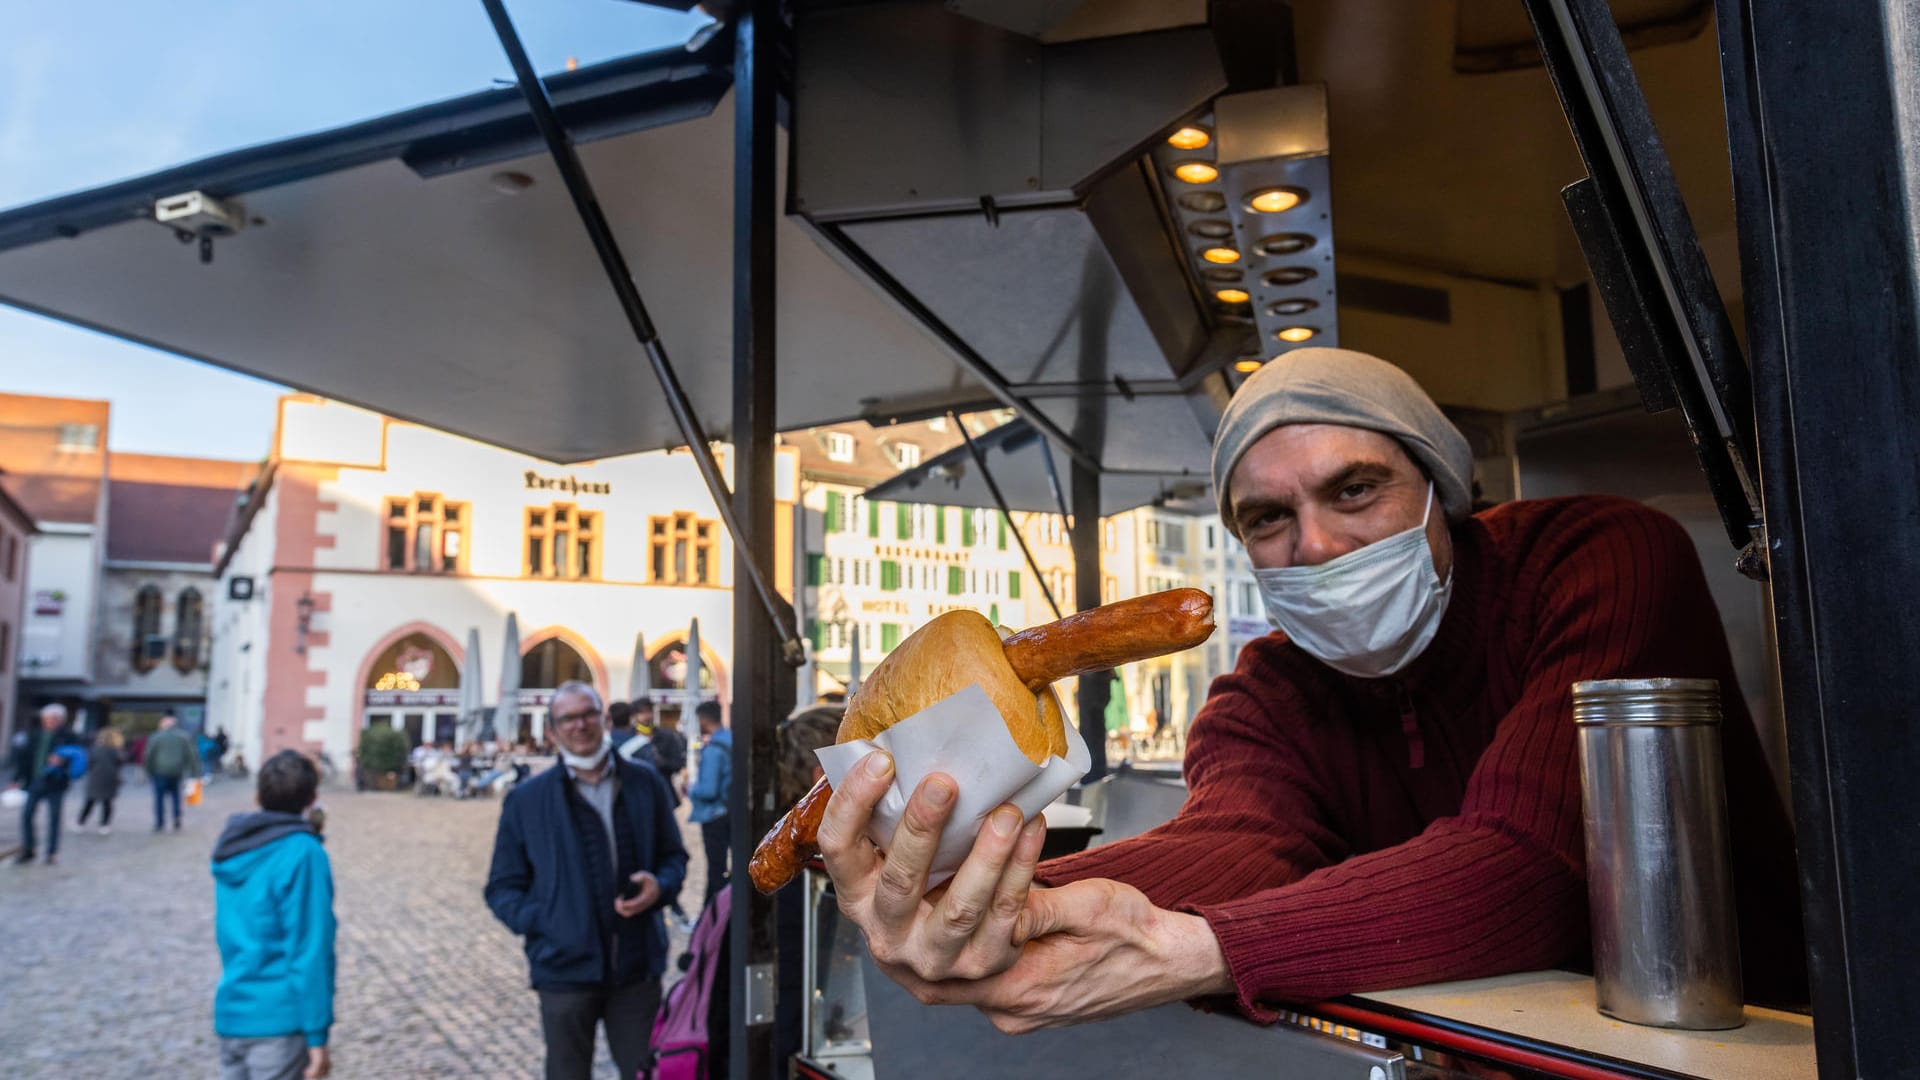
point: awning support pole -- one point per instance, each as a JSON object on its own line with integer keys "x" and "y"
{"x": 1053, "y": 484}
{"x": 580, "y": 189}
{"x": 993, "y": 488}
{"x": 764, "y": 687}
{"x": 1092, "y": 691}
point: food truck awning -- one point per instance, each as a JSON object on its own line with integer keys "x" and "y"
{"x": 428, "y": 265}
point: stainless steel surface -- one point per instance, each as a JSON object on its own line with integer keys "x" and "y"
{"x": 1666, "y": 948}
{"x": 1177, "y": 1040}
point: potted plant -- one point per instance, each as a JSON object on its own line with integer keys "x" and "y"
{"x": 381, "y": 755}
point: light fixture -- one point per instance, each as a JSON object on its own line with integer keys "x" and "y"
{"x": 1295, "y": 334}
{"x": 1212, "y": 229}
{"x": 1199, "y": 172}
{"x": 1273, "y": 200}
{"x": 1232, "y": 296}
{"x": 1292, "y": 306}
{"x": 1289, "y": 275}
{"x": 1285, "y": 244}
{"x": 1204, "y": 202}
{"x": 1247, "y": 366}
{"x": 1220, "y": 255}
{"x": 1189, "y": 138}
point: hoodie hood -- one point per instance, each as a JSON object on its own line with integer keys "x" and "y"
{"x": 252, "y": 831}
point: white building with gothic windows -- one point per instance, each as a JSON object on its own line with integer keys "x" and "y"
{"x": 369, "y": 549}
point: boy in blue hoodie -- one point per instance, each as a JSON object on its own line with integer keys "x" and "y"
{"x": 273, "y": 916}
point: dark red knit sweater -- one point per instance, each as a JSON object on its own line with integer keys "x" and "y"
{"x": 1347, "y": 834}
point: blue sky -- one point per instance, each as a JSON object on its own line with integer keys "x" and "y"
{"x": 93, "y": 91}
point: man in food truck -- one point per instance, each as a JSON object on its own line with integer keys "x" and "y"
{"x": 1384, "y": 792}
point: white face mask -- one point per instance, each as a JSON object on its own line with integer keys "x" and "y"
{"x": 1369, "y": 612}
{"x": 591, "y": 761}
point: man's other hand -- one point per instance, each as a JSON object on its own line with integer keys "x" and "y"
{"x": 319, "y": 1063}
{"x": 965, "y": 929}
{"x": 644, "y": 900}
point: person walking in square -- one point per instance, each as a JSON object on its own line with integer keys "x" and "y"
{"x": 103, "y": 778}
{"x": 40, "y": 768}
{"x": 710, "y": 792}
{"x": 586, "y": 854}
{"x": 273, "y": 919}
{"x": 171, "y": 757}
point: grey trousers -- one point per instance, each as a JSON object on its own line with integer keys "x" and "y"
{"x": 281, "y": 1057}
{"x": 568, "y": 1017}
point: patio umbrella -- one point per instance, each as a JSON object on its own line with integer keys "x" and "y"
{"x": 640, "y": 676}
{"x": 471, "y": 696}
{"x": 853, "y": 660}
{"x": 504, "y": 720}
{"x": 689, "y": 727}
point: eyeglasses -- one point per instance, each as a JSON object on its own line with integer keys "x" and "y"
{"x": 571, "y": 719}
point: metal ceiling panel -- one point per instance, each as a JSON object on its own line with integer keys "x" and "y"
{"x": 445, "y": 300}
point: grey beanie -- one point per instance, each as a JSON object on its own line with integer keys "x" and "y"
{"x": 1340, "y": 386}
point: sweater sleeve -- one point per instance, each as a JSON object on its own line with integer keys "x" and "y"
{"x": 1499, "y": 886}
{"x": 1254, "y": 817}
{"x": 310, "y": 958}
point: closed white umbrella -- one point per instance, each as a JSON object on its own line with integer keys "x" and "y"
{"x": 853, "y": 660}
{"x": 472, "y": 697}
{"x": 505, "y": 719}
{"x": 640, "y": 677}
{"x": 690, "y": 727}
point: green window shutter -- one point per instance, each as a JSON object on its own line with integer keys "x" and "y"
{"x": 813, "y": 633}
{"x": 903, "y": 521}
{"x": 966, "y": 528}
{"x": 816, "y": 571}
{"x": 833, "y": 511}
{"x": 889, "y": 636}
{"x": 956, "y": 581}
{"x": 993, "y": 614}
{"x": 889, "y": 575}
{"x": 1013, "y": 584}
{"x": 873, "y": 520}
{"x": 1002, "y": 519}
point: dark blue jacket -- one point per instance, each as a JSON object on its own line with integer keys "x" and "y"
{"x": 552, "y": 881}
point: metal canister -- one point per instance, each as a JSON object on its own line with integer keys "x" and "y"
{"x": 1666, "y": 947}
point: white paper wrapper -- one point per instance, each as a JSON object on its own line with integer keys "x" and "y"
{"x": 985, "y": 763}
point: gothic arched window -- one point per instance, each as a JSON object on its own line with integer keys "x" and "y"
{"x": 189, "y": 631}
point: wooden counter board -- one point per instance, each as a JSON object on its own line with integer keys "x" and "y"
{"x": 1557, "y": 1007}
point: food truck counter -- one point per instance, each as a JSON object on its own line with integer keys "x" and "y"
{"x": 1550, "y": 1015}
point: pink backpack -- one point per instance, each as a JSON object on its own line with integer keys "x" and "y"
{"x": 680, "y": 1038}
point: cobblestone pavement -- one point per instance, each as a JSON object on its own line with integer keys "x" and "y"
{"x": 108, "y": 964}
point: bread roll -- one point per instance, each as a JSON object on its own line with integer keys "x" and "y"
{"x": 942, "y": 658}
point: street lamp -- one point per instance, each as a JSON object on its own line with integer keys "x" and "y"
{"x": 304, "y": 623}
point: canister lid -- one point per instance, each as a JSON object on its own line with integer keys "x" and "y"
{"x": 1646, "y": 702}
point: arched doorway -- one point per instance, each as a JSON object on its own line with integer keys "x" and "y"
{"x": 550, "y": 660}
{"x": 413, "y": 684}
{"x": 667, "y": 668}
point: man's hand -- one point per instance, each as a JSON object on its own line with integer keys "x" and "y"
{"x": 642, "y": 901}
{"x": 1094, "y": 949}
{"x": 319, "y": 1064}
{"x": 965, "y": 930}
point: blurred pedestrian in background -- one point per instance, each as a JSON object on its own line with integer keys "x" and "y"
{"x": 710, "y": 792}
{"x": 40, "y": 768}
{"x": 171, "y": 757}
{"x": 103, "y": 777}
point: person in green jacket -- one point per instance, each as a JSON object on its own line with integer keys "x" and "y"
{"x": 273, "y": 918}
{"x": 171, "y": 757}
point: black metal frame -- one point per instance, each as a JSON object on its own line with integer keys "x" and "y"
{"x": 1819, "y": 101}
{"x": 1645, "y": 256}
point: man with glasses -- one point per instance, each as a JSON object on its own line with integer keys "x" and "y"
{"x": 586, "y": 855}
